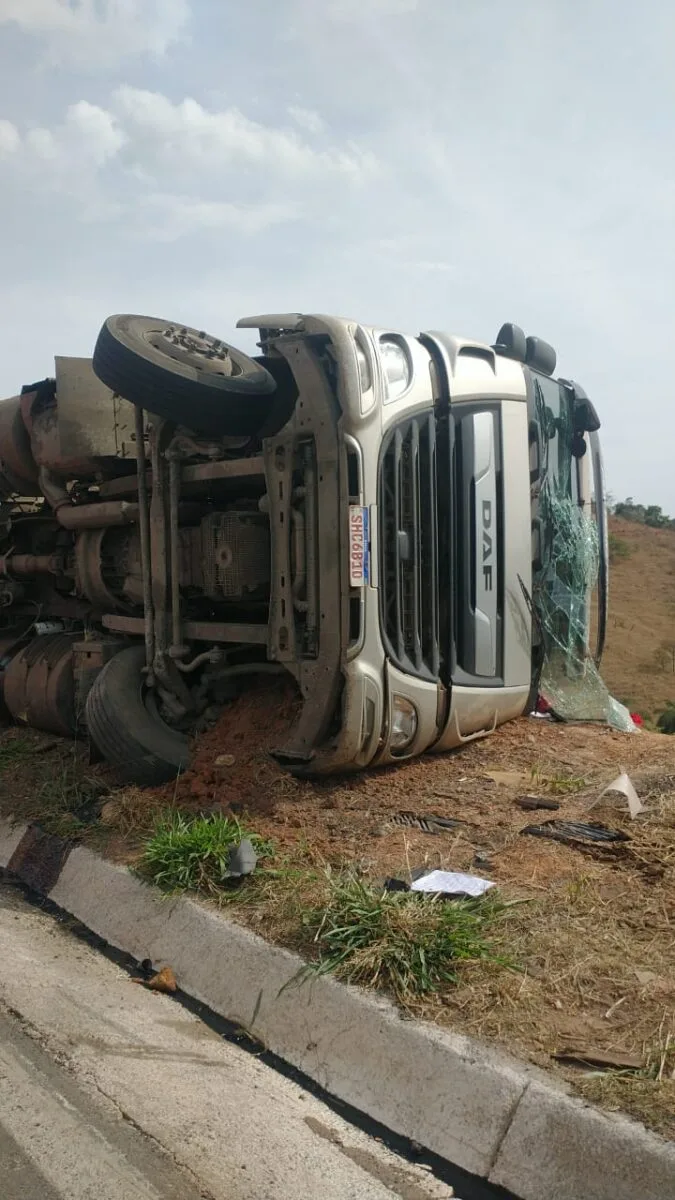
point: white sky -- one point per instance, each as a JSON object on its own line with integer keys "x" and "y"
{"x": 417, "y": 163}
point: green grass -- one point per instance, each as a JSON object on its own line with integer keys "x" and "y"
{"x": 666, "y": 721}
{"x": 54, "y": 792}
{"x": 192, "y": 853}
{"x": 406, "y": 943}
{"x": 14, "y": 750}
{"x": 618, "y": 548}
{"x": 557, "y": 783}
{"x": 60, "y": 803}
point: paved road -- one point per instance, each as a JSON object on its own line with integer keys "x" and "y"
{"x": 111, "y": 1092}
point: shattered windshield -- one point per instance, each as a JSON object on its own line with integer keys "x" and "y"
{"x": 565, "y": 562}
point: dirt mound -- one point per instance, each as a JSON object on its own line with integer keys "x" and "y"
{"x": 231, "y": 765}
{"x": 232, "y": 768}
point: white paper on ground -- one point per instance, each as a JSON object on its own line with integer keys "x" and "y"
{"x": 623, "y": 785}
{"x": 452, "y": 883}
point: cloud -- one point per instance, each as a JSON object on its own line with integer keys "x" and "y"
{"x": 86, "y": 140}
{"x": 434, "y": 267}
{"x": 356, "y": 10}
{"x": 350, "y": 169}
{"x": 10, "y": 139}
{"x": 160, "y": 131}
{"x": 95, "y": 130}
{"x": 310, "y": 121}
{"x": 140, "y": 157}
{"x": 166, "y": 218}
{"x": 99, "y": 33}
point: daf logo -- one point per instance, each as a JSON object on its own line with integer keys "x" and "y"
{"x": 488, "y": 544}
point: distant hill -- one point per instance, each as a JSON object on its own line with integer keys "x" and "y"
{"x": 639, "y": 661}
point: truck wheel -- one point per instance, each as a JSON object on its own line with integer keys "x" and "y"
{"x": 130, "y": 737}
{"x": 183, "y": 375}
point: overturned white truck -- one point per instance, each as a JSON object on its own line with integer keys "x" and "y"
{"x": 359, "y": 508}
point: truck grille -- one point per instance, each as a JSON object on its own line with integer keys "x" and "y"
{"x": 409, "y": 547}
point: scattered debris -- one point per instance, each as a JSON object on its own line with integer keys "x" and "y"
{"x": 440, "y": 883}
{"x": 110, "y": 811}
{"x": 482, "y": 859}
{"x": 242, "y": 859}
{"x": 624, "y": 787}
{"x": 430, "y": 824}
{"x": 575, "y": 831}
{"x": 532, "y": 803}
{"x": 613, "y": 1007}
{"x": 163, "y": 981}
{"x": 505, "y": 778}
{"x": 396, "y": 885}
{"x": 646, "y": 977}
{"x": 586, "y": 1056}
{"x": 452, "y": 883}
{"x": 543, "y": 712}
{"x": 46, "y": 747}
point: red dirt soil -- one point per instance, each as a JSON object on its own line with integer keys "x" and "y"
{"x": 352, "y": 818}
{"x": 231, "y": 766}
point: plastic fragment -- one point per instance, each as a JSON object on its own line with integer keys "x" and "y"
{"x": 575, "y": 831}
{"x": 452, "y": 883}
{"x": 242, "y": 859}
{"x": 624, "y": 786}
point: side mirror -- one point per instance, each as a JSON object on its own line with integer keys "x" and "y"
{"x": 540, "y": 356}
{"x": 511, "y": 343}
{"x": 586, "y": 419}
{"x": 578, "y": 445}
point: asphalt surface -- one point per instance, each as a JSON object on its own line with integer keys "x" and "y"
{"x": 111, "y": 1092}
{"x": 54, "y": 1142}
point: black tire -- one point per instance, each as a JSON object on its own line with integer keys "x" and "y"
{"x": 140, "y": 747}
{"x": 183, "y": 375}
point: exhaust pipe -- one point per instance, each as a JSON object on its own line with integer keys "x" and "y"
{"x": 84, "y": 516}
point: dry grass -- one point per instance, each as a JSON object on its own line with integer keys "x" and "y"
{"x": 49, "y": 781}
{"x": 552, "y": 782}
{"x": 638, "y": 665}
{"x": 652, "y": 1104}
{"x": 583, "y": 952}
{"x": 596, "y": 949}
{"x": 131, "y": 811}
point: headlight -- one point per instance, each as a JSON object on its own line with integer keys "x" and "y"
{"x": 403, "y": 723}
{"x": 397, "y": 367}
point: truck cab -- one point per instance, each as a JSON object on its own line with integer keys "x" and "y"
{"x": 443, "y": 445}
{"x": 370, "y": 512}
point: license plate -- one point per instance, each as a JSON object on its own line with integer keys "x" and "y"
{"x": 358, "y": 546}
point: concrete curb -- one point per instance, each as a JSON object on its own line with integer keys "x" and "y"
{"x": 482, "y": 1111}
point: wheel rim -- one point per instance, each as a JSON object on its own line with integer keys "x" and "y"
{"x": 149, "y": 702}
{"x": 195, "y": 349}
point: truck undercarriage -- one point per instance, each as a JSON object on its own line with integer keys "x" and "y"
{"x": 145, "y": 570}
